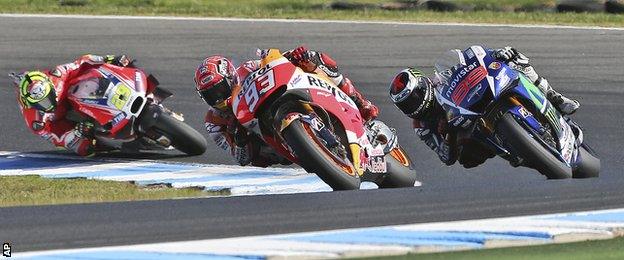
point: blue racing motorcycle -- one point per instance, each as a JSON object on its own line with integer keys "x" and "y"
{"x": 489, "y": 104}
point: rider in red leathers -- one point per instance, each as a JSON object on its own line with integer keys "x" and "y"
{"x": 217, "y": 81}
{"x": 42, "y": 100}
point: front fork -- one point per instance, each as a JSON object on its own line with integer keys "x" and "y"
{"x": 324, "y": 129}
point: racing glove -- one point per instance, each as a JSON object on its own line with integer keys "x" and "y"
{"x": 434, "y": 140}
{"x": 301, "y": 54}
{"x": 510, "y": 54}
{"x": 520, "y": 62}
{"x": 241, "y": 136}
{"x": 118, "y": 60}
{"x": 81, "y": 140}
{"x": 84, "y": 130}
{"x": 436, "y": 143}
{"x": 241, "y": 148}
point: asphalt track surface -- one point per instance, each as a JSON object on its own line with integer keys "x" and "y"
{"x": 585, "y": 64}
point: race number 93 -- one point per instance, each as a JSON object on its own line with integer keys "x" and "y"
{"x": 121, "y": 96}
{"x": 264, "y": 83}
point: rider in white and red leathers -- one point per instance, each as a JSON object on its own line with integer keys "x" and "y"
{"x": 216, "y": 80}
{"x": 43, "y": 103}
{"x": 413, "y": 93}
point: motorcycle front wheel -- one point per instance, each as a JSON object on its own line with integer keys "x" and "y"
{"x": 314, "y": 157}
{"x": 530, "y": 150}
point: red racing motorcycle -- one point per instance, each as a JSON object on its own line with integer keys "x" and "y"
{"x": 311, "y": 122}
{"x": 124, "y": 104}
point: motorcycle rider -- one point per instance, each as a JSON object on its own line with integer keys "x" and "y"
{"x": 216, "y": 79}
{"x": 41, "y": 97}
{"x": 413, "y": 93}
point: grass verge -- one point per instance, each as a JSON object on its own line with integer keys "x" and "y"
{"x": 35, "y": 190}
{"x": 308, "y": 9}
{"x": 599, "y": 249}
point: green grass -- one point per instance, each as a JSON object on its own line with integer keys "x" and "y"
{"x": 312, "y": 9}
{"x": 599, "y": 249}
{"x": 35, "y": 190}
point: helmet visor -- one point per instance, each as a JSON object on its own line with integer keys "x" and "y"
{"x": 411, "y": 104}
{"x": 46, "y": 104}
{"x": 217, "y": 93}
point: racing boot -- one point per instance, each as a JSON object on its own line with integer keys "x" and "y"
{"x": 367, "y": 109}
{"x": 565, "y": 105}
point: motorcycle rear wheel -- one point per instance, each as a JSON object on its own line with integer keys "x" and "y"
{"x": 400, "y": 170}
{"x": 314, "y": 159}
{"x": 589, "y": 167}
{"x": 537, "y": 156}
{"x": 182, "y": 136}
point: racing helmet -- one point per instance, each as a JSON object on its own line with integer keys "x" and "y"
{"x": 37, "y": 91}
{"x": 214, "y": 79}
{"x": 412, "y": 93}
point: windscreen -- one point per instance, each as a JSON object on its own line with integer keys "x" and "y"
{"x": 447, "y": 64}
{"x": 91, "y": 88}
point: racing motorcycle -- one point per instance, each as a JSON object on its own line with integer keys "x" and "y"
{"x": 496, "y": 108}
{"x": 309, "y": 121}
{"x": 124, "y": 104}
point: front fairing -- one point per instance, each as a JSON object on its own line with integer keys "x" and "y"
{"x": 475, "y": 79}
{"x": 112, "y": 96}
{"x": 258, "y": 86}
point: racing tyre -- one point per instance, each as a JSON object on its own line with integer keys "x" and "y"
{"x": 315, "y": 158}
{"x": 529, "y": 149}
{"x": 182, "y": 136}
{"x": 589, "y": 166}
{"x": 400, "y": 171}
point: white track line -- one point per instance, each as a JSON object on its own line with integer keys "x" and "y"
{"x": 396, "y": 239}
{"x": 379, "y": 22}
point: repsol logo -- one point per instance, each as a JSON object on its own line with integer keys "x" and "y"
{"x": 322, "y": 84}
{"x": 258, "y": 73}
{"x": 459, "y": 75}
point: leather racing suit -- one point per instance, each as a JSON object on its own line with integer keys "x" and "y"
{"x": 246, "y": 149}
{"x": 53, "y": 126}
{"x": 433, "y": 129}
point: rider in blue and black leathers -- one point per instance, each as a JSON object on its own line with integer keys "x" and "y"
{"x": 413, "y": 93}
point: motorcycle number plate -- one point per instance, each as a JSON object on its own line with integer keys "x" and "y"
{"x": 121, "y": 96}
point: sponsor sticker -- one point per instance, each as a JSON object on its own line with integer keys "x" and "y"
{"x": 56, "y": 73}
{"x": 118, "y": 118}
{"x": 495, "y": 65}
{"x": 470, "y": 54}
{"x": 297, "y": 79}
{"x": 316, "y": 124}
{"x": 523, "y": 112}
{"x": 377, "y": 165}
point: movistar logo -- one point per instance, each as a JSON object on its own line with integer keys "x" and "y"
{"x": 459, "y": 75}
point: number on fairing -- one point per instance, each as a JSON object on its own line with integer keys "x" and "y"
{"x": 251, "y": 96}
{"x": 264, "y": 83}
{"x": 121, "y": 96}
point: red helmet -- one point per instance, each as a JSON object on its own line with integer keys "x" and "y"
{"x": 214, "y": 79}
